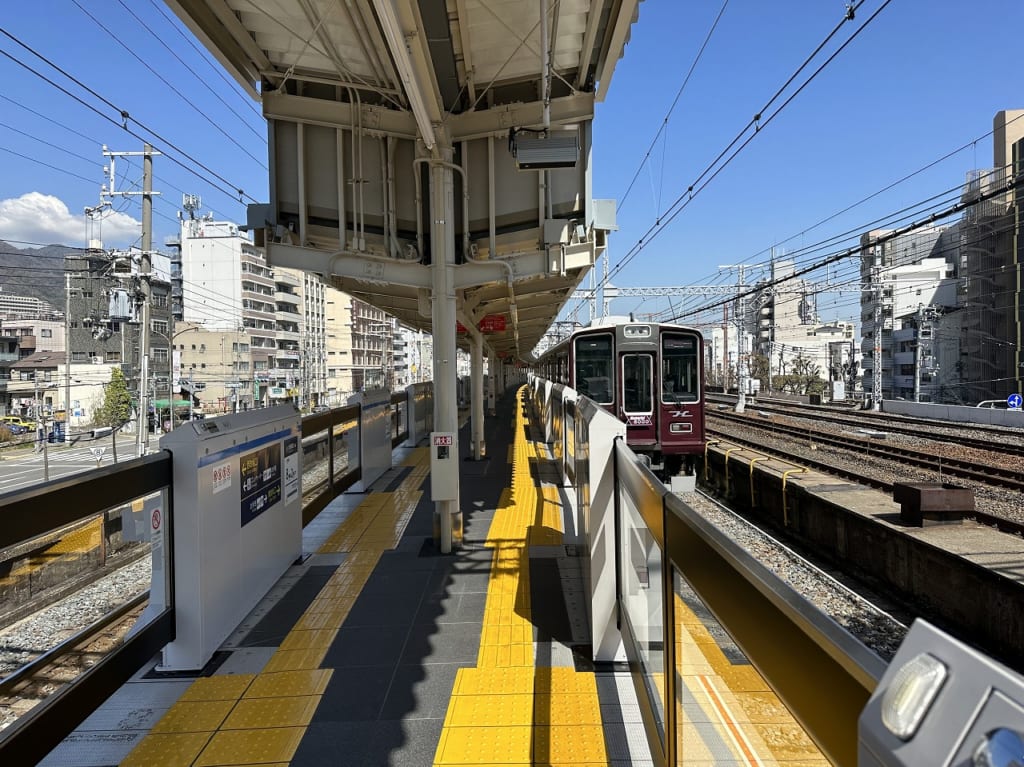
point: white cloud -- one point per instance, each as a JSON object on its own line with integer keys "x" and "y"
{"x": 43, "y": 218}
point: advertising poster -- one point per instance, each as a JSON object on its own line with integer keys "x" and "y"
{"x": 260, "y": 473}
{"x": 291, "y": 469}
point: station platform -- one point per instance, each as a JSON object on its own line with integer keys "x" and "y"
{"x": 376, "y": 649}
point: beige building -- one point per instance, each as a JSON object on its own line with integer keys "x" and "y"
{"x": 218, "y": 364}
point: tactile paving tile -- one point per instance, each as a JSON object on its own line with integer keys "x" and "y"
{"x": 490, "y": 711}
{"x": 228, "y": 687}
{"x": 491, "y": 745}
{"x": 569, "y": 743}
{"x": 167, "y": 750}
{"x": 264, "y": 713}
{"x": 194, "y": 716}
{"x": 235, "y": 747}
{"x": 566, "y": 709}
{"x": 289, "y": 683}
{"x": 294, "y": 660}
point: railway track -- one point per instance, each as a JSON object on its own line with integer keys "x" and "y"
{"x": 43, "y": 676}
{"x": 846, "y": 470}
{"x": 1001, "y": 438}
{"x": 986, "y": 474}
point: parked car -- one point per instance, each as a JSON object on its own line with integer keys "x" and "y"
{"x": 18, "y": 421}
{"x": 14, "y": 428}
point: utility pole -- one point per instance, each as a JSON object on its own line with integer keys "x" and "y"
{"x": 67, "y": 354}
{"x": 876, "y": 372}
{"x": 41, "y": 426}
{"x": 740, "y": 320}
{"x": 145, "y": 270}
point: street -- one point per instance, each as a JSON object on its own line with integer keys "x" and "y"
{"x": 21, "y": 467}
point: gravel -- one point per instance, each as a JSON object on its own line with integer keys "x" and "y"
{"x": 40, "y": 632}
{"x": 869, "y": 623}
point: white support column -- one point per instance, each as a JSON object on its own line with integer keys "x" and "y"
{"x": 447, "y": 515}
{"x": 477, "y": 373}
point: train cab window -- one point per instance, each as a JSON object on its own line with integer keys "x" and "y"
{"x": 592, "y": 373}
{"x": 680, "y": 368}
{"x": 637, "y": 383}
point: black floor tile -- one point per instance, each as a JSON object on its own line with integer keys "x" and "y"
{"x": 333, "y": 744}
{"x": 420, "y": 691}
{"x": 365, "y": 646}
{"x": 443, "y": 643}
{"x": 355, "y": 694}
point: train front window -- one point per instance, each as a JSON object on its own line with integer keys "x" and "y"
{"x": 680, "y": 368}
{"x": 593, "y": 373}
{"x": 637, "y": 379}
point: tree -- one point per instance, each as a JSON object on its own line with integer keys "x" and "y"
{"x": 759, "y": 370}
{"x": 117, "y": 402}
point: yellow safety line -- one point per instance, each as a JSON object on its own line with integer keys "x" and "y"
{"x": 506, "y": 710}
{"x": 261, "y": 718}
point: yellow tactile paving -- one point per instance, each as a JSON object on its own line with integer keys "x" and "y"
{"x": 282, "y": 684}
{"x": 295, "y": 660}
{"x": 229, "y": 687}
{"x": 235, "y": 747}
{"x": 508, "y": 711}
{"x": 262, "y": 713}
{"x": 198, "y": 716}
{"x": 167, "y": 750}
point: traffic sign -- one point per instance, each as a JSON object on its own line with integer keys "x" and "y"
{"x": 1013, "y": 402}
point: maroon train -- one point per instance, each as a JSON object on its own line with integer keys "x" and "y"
{"x": 648, "y": 375}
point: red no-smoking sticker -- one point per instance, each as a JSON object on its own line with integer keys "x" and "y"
{"x": 156, "y": 519}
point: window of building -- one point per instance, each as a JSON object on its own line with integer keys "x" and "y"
{"x": 160, "y": 355}
{"x": 160, "y": 326}
{"x": 113, "y": 356}
{"x": 79, "y": 356}
{"x": 46, "y": 333}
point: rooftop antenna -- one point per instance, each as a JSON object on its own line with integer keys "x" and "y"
{"x": 191, "y": 203}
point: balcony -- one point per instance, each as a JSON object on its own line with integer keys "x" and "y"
{"x": 9, "y": 356}
{"x": 283, "y": 278}
{"x": 289, "y": 311}
{"x": 288, "y": 335}
{"x": 287, "y": 354}
{"x": 287, "y": 297}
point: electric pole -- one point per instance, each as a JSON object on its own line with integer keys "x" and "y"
{"x": 145, "y": 270}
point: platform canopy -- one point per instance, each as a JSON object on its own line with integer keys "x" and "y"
{"x": 364, "y": 98}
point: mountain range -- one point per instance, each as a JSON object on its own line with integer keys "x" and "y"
{"x": 35, "y": 272}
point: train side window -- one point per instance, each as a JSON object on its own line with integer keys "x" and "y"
{"x": 592, "y": 367}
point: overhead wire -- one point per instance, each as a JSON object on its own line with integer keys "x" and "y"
{"x": 124, "y": 115}
{"x": 164, "y": 80}
{"x": 758, "y": 122}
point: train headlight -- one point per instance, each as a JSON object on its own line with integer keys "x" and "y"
{"x": 911, "y": 693}
{"x": 680, "y": 428}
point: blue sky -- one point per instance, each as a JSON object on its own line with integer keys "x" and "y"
{"x": 921, "y": 80}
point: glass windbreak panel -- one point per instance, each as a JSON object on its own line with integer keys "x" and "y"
{"x": 315, "y": 466}
{"x": 641, "y": 562}
{"x": 594, "y": 366}
{"x": 637, "y": 389}
{"x": 680, "y": 368}
{"x": 59, "y": 584}
{"x": 346, "y": 447}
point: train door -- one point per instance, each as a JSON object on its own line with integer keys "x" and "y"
{"x": 637, "y": 397}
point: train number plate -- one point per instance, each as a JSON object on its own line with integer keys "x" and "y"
{"x": 639, "y": 420}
